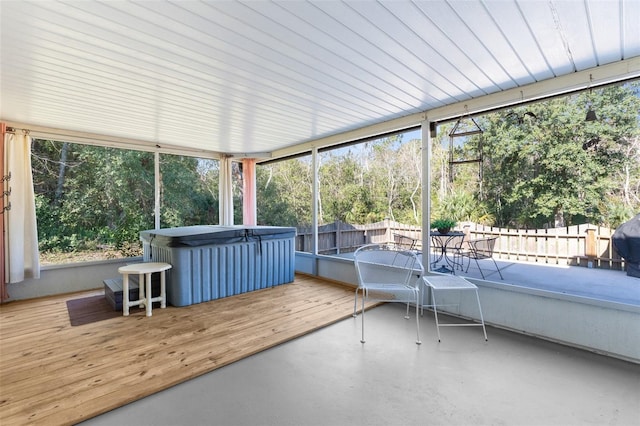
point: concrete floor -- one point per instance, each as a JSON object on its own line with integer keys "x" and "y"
{"x": 602, "y": 284}
{"x": 330, "y": 378}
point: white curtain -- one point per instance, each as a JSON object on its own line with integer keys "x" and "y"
{"x": 225, "y": 192}
{"x": 22, "y": 255}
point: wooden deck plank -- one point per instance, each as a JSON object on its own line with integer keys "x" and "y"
{"x": 92, "y": 341}
{"x": 143, "y": 355}
{"x": 99, "y": 334}
{"x": 89, "y": 347}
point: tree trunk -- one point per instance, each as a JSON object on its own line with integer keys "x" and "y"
{"x": 61, "y": 173}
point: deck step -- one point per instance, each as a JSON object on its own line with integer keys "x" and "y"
{"x": 113, "y": 290}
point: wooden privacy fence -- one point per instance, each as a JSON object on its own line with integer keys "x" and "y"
{"x": 583, "y": 245}
{"x": 340, "y": 237}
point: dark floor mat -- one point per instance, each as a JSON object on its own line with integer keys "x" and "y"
{"x": 90, "y": 309}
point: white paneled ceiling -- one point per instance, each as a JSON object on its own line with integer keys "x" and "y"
{"x": 260, "y": 76}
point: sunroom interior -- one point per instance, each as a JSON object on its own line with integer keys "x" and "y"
{"x": 254, "y": 82}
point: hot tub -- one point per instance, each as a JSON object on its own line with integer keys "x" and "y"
{"x": 212, "y": 261}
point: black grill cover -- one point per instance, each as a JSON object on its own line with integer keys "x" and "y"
{"x": 627, "y": 242}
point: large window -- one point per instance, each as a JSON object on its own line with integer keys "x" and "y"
{"x": 91, "y": 202}
{"x": 541, "y": 165}
{"x": 369, "y": 191}
{"x": 189, "y": 191}
{"x": 544, "y": 164}
{"x": 359, "y": 185}
{"x": 372, "y": 181}
{"x": 284, "y": 196}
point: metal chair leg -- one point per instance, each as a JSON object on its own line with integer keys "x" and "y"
{"x": 484, "y": 330}
{"x": 498, "y": 269}
{"x": 364, "y": 296}
{"x": 418, "y": 341}
{"x": 435, "y": 312}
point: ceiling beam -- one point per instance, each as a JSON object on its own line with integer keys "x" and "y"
{"x": 559, "y": 86}
{"x": 86, "y": 138}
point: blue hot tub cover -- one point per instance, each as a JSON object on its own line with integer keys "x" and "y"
{"x": 201, "y": 235}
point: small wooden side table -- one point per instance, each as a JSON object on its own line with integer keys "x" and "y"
{"x": 144, "y": 271}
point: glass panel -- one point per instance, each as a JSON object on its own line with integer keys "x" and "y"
{"x": 189, "y": 194}
{"x": 370, "y": 192}
{"x": 283, "y": 197}
{"x": 91, "y": 202}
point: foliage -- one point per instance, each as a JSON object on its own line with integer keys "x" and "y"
{"x": 443, "y": 224}
{"x": 463, "y": 206}
{"x": 94, "y": 198}
{"x": 556, "y": 168}
{"x": 117, "y": 184}
{"x": 284, "y": 193}
{"x": 372, "y": 181}
{"x": 192, "y": 204}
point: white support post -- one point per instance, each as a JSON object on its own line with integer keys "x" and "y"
{"x": 157, "y": 185}
{"x": 225, "y": 192}
{"x": 315, "y": 189}
{"x": 426, "y": 194}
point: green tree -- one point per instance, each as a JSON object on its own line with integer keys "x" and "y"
{"x": 109, "y": 194}
{"x": 189, "y": 191}
{"x": 90, "y": 197}
{"x": 552, "y": 167}
{"x": 343, "y": 194}
{"x": 284, "y": 192}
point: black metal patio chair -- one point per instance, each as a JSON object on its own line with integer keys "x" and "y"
{"x": 480, "y": 249}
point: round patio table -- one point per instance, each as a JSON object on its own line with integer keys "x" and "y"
{"x": 443, "y": 244}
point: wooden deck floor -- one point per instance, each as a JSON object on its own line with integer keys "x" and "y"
{"x": 52, "y": 373}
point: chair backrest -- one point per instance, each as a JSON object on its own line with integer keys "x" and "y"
{"x": 483, "y": 247}
{"x": 464, "y": 243}
{"x": 378, "y": 264}
{"x": 402, "y": 242}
